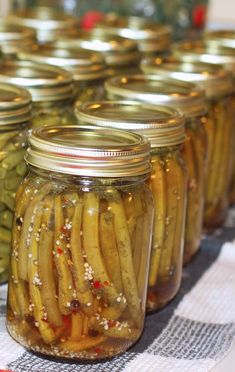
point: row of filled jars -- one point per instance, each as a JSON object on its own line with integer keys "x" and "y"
{"x": 81, "y": 266}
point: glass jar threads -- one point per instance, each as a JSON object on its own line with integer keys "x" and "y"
{"x": 121, "y": 54}
{"x": 87, "y": 68}
{"x": 164, "y": 128}
{"x": 46, "y": 21}
{"x": 51, "y": 88}
{"x": 15, "y": 113}
{"x": 152, "y": 38}
{"x": 189, "y": 99}
{"x": 13, "y": 37}
{"x": 85, "y": 297}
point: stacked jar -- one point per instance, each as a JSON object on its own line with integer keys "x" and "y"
{"x": 221, "y": 106}
{"x": 85, "y": 297}
{"x": 152, "y": 38}
{"x": 51, "y": 88}
{"x": 13, "y": 37}
{"x": 164, "y": 128}
{"x": 121, "y": 54}
{"x": 46, "y": 21}
{"x": 88, "y": 68}
{"x": 15, "y": 115}
{"x": 191, "y": 101}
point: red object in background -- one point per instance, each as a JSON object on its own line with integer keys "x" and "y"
{"x": 199, "y": 16}
{"x": 90, "y": 19}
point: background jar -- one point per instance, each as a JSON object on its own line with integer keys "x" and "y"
{"x": 164, "y": 128}
{"x": 46, "y": 21}
{"x": 13, "y": 37}
{"x": 73, "y": 223}
{"x": 121, "y": 54}
{"x": 51, "y": 88}
{"x": 15, "y": 114}
{"x": 190, "y": 100}
{"x": 87, "y": 68}
{"x": 152, "y": 39}
{"x": 220, "y": 126}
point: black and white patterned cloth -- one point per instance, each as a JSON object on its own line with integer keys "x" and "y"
{"x": 192, "y": 334}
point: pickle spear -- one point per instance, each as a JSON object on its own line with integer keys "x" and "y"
{"x": 62, "y": 260}
{"x": 46, "y": 245}
{"x": 125, "y": 255}
{"x": 158, "y": 185}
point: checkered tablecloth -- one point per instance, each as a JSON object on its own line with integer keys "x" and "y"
{"x": 192, "y": 334}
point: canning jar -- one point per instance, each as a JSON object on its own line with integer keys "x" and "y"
{"x": 88, "y": 68}
{"x": 121, "y": 54}
{"x": 46, "y": 21}
{"x": 220, "y": 126}
{"x": 13, "y": 37}
{"x": 51, "y": 88}
{"x": 15, "y": 113}
{"x": 78, "y": 281}
{"x": 164, "y": 128}
{"x": 152, "y": 38}
{"x": 156, "y": 89}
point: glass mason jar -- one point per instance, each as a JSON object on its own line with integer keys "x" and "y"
{"x": 219, "y": 47}
{"x": 88, "y": 68}
{"x": 46, "y": 21}
{"x": 121, "y": 54}
{"x": 13, "y": 37}
{"x": 156, "y": 89}
{"x": 220, "y": 126}
{"x": 85, "y": 298}
{"x": 152, "y": 38}
{"x": 15, "y": 113}
{"x": 164, "y": 128}
{"x": 51, "y": 88}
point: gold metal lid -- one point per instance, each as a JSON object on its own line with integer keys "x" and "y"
{"x": 184, "y": 96}
{"x": 117, "y": 50}
{"x": 46, "y": 21}
{"x": 150, "y": 36}
{"x": 45, "y": 82}
{"x": 13, "y": 37}
{"x": 161, "y": 125}
{"x": 15, "y": 105}
{"x": 205, "y": 51}
{"x": 221, "y": 37}
{"x": 88, "y": 151}
{"x": 83, "y": 64}
{"x": 213, "y": 78}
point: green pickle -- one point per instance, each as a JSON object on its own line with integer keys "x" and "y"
{"x": 76, "y": 290}
{"x": 13, "y": 142}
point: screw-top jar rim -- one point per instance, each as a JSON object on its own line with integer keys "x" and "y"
{"x": 211, "y": 77}
{"x": 86, "y": 151}
{"x": 184, "y": 96}
{"x": 150, "y": 36}
{"x": 45, "y": 82}
{"x": 221, "y": 37}
{"x": 13, "y": 37}
{"x": 117, "y": 50}
{"x": 82, "y": 64}
{"x": 205, "y": 51}
{"x": 15, "y": 105}
{"x": 163, "y": 126}
{"x": 47, "y": 21}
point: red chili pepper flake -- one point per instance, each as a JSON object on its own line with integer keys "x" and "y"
{"x": 112, "y": 323}
{"x": 106, "y": 283}
{"x": 97, "y": 284}
{"x": 98, "y": 350}
{"x": 151, "y": 296}
{"x": 44, "y": 320}
{"x": 63, "y": 230}
{"x": 59, "y": 250}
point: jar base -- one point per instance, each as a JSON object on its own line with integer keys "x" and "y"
{"x": 101, "y": 351}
